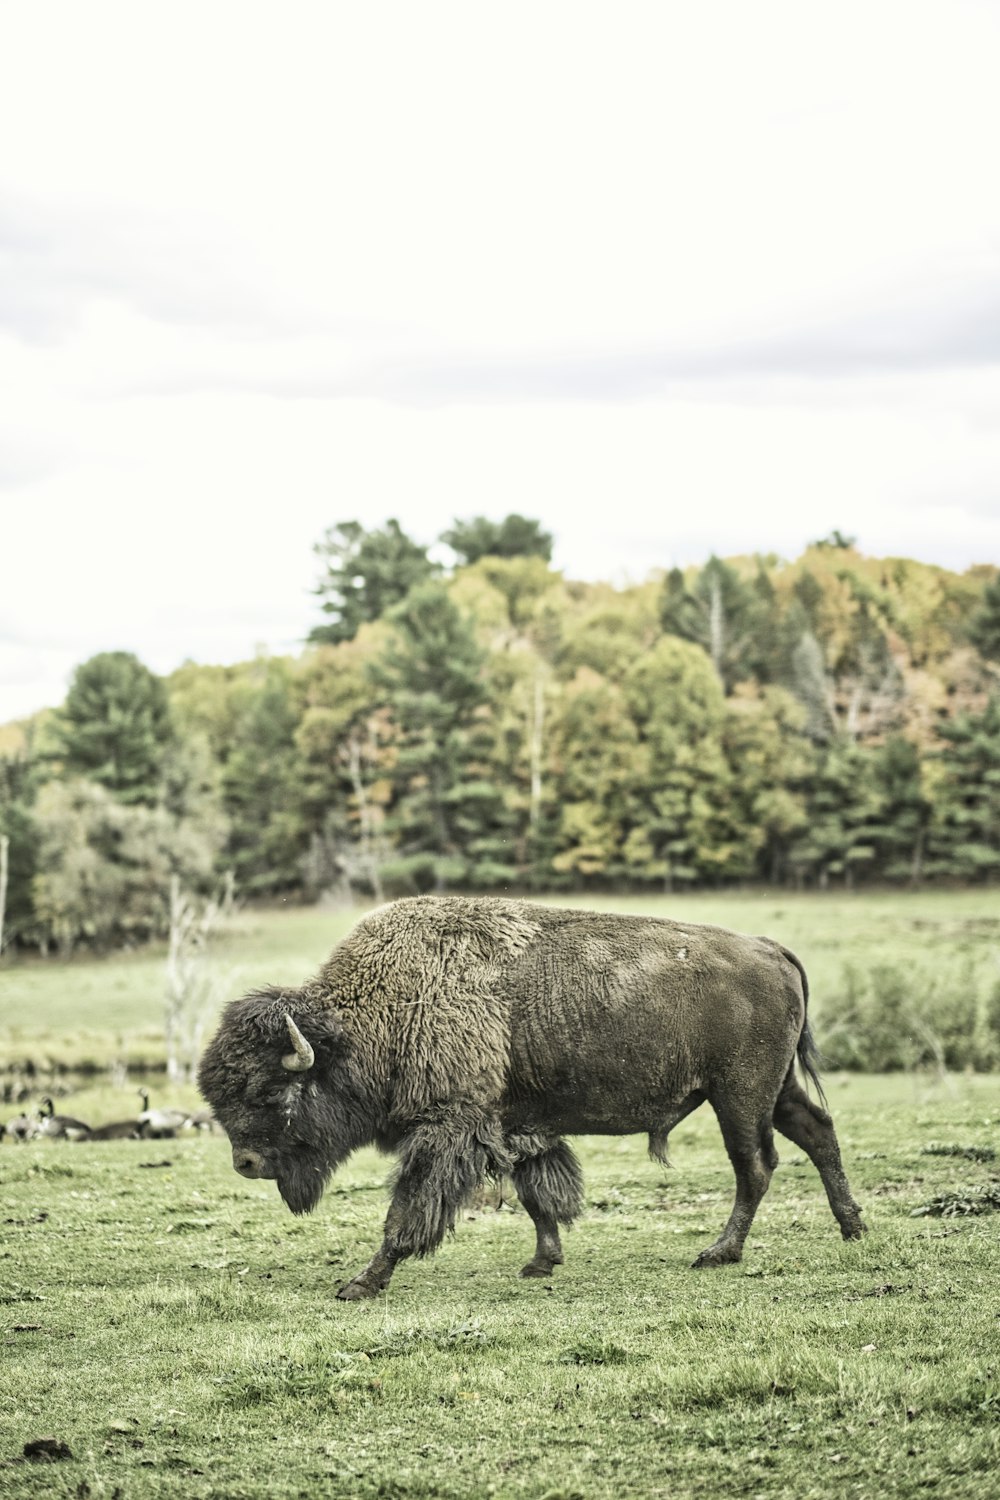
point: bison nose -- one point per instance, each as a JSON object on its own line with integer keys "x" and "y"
{"x": 248, "y": 1163}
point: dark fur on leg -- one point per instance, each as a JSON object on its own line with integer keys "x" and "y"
{"x": 552, "y": 1179}
{"x": 439, "y": 1170}
{"x": 550, "y": 1185}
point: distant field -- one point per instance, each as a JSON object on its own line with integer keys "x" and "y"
{"x": 98, "y": 1011}
{"x": 175, "y": 1328}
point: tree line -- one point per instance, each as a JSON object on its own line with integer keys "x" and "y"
{"x": 491, "y": 725}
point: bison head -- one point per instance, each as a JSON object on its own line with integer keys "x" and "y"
{"x": 278, "y": 1076}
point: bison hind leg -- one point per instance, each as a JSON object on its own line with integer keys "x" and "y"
{"x": 810, "y": 1128}
{"x": 549, "y": 1182}
{"x": 750, "y": 1145}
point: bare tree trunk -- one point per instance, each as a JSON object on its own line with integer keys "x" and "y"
{"x": 190, "y": 988}
{"x": 180, "y": 926}
{"x": 535, "y": 752}
{"x": 716, "y": 626}
{"x": 4, "y": 848}
{"x": 365, "y": 820}
{"x": 917, "y": 860}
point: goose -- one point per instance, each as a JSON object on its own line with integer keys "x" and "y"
{"x": 117, "y": 1130}
{"x": 61, "y": 1127}
{"x": 203, "y": 1119}
{"x": 159, "y": 1124}
{"x": 22, "y": 1128}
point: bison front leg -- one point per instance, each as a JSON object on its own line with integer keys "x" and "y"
{"x": 441, "y": 1163}
{"x": 550, "y": 1185}
{"x": 375, "y": 1276}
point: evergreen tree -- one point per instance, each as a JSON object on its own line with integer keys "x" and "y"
{"x": 19, "y": 779}
{"x": 721, "y": 613}
{"x": 844, "y": 816}
{"x": 984, "y": 627}
{"x": 262, "y": 783}
{"x": 812, "y": 687}
{"x": 449, "y": 815}
{"x": 836, "y": 541}
{"x": 965, "y": 837}
{"x": 771, "y": 761}
{"x": 115, "y": 728}
{"x": 514, "y": 536}
{"x": 904, "y": 810}
{"x": 365, "y": 574}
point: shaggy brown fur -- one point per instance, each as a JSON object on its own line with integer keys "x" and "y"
{"x": 469, "y": 1035}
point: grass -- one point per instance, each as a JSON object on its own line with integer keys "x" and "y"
{"x": 175, "y": 1328}
{"x": 937, "y": 945}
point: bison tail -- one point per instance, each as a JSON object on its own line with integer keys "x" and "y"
{"x": 809, "y": 1059}
{"x": 809, "y": 1055}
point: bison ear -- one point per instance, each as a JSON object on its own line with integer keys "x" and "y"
{"x": 302, "y": 1056}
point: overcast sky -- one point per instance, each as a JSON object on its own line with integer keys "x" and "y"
{"x": 675, "y": 278}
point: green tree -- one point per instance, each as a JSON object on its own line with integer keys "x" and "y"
{"x": 905, "y": 810}
{"x": 771, "y": 761}
{"x": 514, "y": 536}
{"x": 965, "y": 836}
{"x": 365, "y": 574}
{"x": 115, "y": 727}
{"x": 448, "y": 816}
{"x": 104, "y": 867}
{"x": 19, "y": 780}
{"x": 984, "y": 627}
{"x": 843, "y": 663}
{"x": 836, "y": 541}
{"x": 719, "y": 613}
{"x": 262, "y": 782}
{"x": 810, "y": 682}
{"x": 615, "y": 631}
{"x": 844, "y": 816}
{"x": 347, "y": 746}
{"x": 599, "y": 765}
{"x": 689, "y": 822}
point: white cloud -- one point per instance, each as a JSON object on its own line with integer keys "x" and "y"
{"x": 672, "y": 278}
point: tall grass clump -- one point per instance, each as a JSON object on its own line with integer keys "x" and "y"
{"x": 942, "y": 1012}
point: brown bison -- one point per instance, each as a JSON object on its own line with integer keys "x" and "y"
{"x": 470, "y": 1035}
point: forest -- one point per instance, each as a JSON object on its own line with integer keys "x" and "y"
{"x": 492, "y": 725}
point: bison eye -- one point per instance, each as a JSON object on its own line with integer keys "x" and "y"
{"x": 284, "y": 1108}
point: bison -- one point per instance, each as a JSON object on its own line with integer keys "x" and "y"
{"x": 469, "y": 1035}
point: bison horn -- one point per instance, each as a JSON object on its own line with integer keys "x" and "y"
{"x": 303, "y": 1057}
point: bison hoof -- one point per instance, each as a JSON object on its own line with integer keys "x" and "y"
{"x": 538, "y": 1269}
{"x": 715, "y": 1255}
{"x": 854, "y": 1231}
{"x": 357, "y": 1291}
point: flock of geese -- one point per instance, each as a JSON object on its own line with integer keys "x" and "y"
{"x": 148, "y": 1125}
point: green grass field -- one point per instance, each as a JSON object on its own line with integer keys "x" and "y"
{"x": 175, "y": 1328}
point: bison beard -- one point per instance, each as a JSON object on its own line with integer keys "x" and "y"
{"x": 471, "y": 1035}
{"x": 301, "y": 1182}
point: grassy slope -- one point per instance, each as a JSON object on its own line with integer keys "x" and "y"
{"x": 176, "y": 1328}
{"x": 94, "y": 1010}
